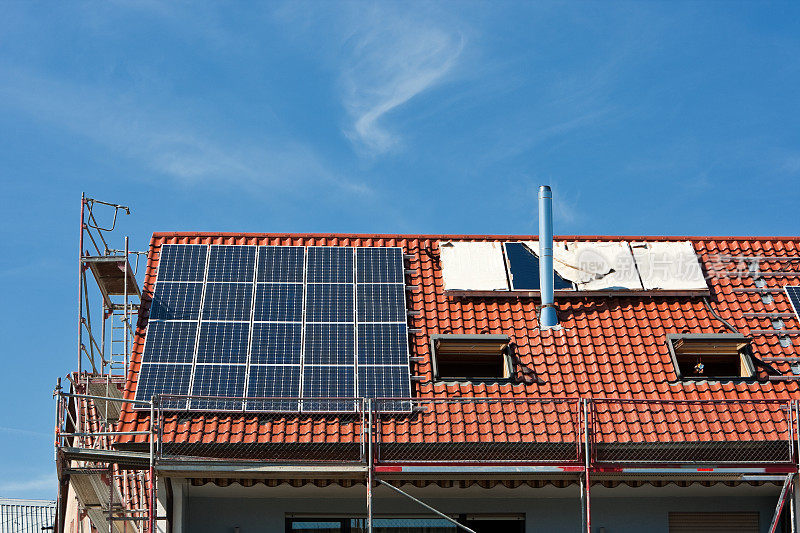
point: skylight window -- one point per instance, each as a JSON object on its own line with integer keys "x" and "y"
{"x": 523, "y": 269}
{"x": 711, "y": 356}
{"x": 471, "y": 357}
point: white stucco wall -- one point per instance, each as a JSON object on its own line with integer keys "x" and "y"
{"x": 212, "y": 509}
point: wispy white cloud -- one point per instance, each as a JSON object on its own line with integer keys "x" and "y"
{"x": 23, "y": 432}
{"x": 165, "y": 141}
{"x": 22, "y": 485}
{"x": 791, "y": 164}
{"x": 389, "y": 59}
{"x": 565, "y": 208}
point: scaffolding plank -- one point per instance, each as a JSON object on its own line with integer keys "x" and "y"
{"x": 109, "y": 272}
{"x": 107, "y": 410}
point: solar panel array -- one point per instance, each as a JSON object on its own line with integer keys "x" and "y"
{"x": 324, "y": 323}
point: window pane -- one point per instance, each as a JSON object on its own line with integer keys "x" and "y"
{"x": 404, "y": 525}
{"x": 523, "y": 264}
{"x": 317, "y": 527}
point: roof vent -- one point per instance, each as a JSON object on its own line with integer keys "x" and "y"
{"x": 547, "y": 318}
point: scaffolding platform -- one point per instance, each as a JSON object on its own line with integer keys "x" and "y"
{"x": 107, "y": 386}
{"x": 110, "y": 273}
{"x": 95, "y": 492}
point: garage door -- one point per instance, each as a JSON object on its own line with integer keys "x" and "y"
{"x": 705, "y": 522}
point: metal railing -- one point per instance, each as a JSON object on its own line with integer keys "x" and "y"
{"x": 692, "y": 431}
{"x": 531, "y": 431}
{"x": 549, "y": 436}
{"x": 79, "y": 423}
{"x": 26, "y": 516}
{"x": 478, "y": 430}
{"x": 287, "y": 429}
{"x": 88, "y": 441}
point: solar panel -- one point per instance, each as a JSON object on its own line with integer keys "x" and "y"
{"x": 273, "y": 381}
{"x": 329, "y": 265}
{"x": 182, "y": 262}
{"x": 380, "y": 265}
{"x": 218, "y": 380}
{"x": 793, "y": 292}
{"x": 176, "y": 301}
{"x": 223, "y": 342}
{"x": 382, "y": 344}
{"x": 327, "y": 381}
{"x": 330, "y": 344}
{"x": 280, "y": 264}
{"x": 164, "y": 379}
{"x": 276, "y": 344}
{"x": 329, "y": 302}
{"x": 279, "y": 302}
{"x": 170, "y": 342}
{"x": 382, "y": 340}
{"x": 277, "y": 321}
{"x": 231, "y": 263}
{"x": 386, "y": 382}
{"x": 228, "y": 301}
{"x": 381, "y": 302}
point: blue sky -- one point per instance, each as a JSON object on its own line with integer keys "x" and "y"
{"x": 646, "y": 118}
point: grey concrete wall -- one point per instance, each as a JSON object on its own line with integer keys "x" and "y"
{"x": 212, "y": 509}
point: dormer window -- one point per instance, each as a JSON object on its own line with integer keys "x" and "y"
{"x": 471, "y": 358}
{"x": 711, "y": 356}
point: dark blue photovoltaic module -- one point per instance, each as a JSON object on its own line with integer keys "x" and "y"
{"x": 231, "y": 263}
{"x": 276, "y": 322}
{"x": 170, "y": 342}
{"x": 182, "y": 262}
{"x": 176, "y": 301}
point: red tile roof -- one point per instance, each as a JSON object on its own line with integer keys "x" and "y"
{"x": 609, "y": 347}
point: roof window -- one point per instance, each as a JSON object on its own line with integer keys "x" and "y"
{"x": 523, "y": 269}
{"x": 711, "y": 356}
{"x": 471, "y": 357}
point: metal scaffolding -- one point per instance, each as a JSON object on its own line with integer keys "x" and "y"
{"x": 110, "y": 486}
{"x": 87, "y": 415}
{"x": 105, "y": 347}
{"x": 563, "y": 439}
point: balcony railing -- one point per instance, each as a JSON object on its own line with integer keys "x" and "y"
{"x": 292, "y": 430}
{"x": 692, "y": 432}
{"x": 598, "y": 434}
{"x": 485, "y": 430}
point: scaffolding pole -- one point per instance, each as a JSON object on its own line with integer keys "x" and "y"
{"x": 151, "y": 507}
{"x": 125, "y": 321}
{"x": 587, "y": 462}
{"x": 785, "y": 491}
{"x": 370, "y": 473}
{"x": 80, "y": 285}
{"x": 110, "y": 498}
{"x": 426, "y": 506}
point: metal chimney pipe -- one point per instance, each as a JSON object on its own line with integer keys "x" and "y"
{"x": 547, "y": 317}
